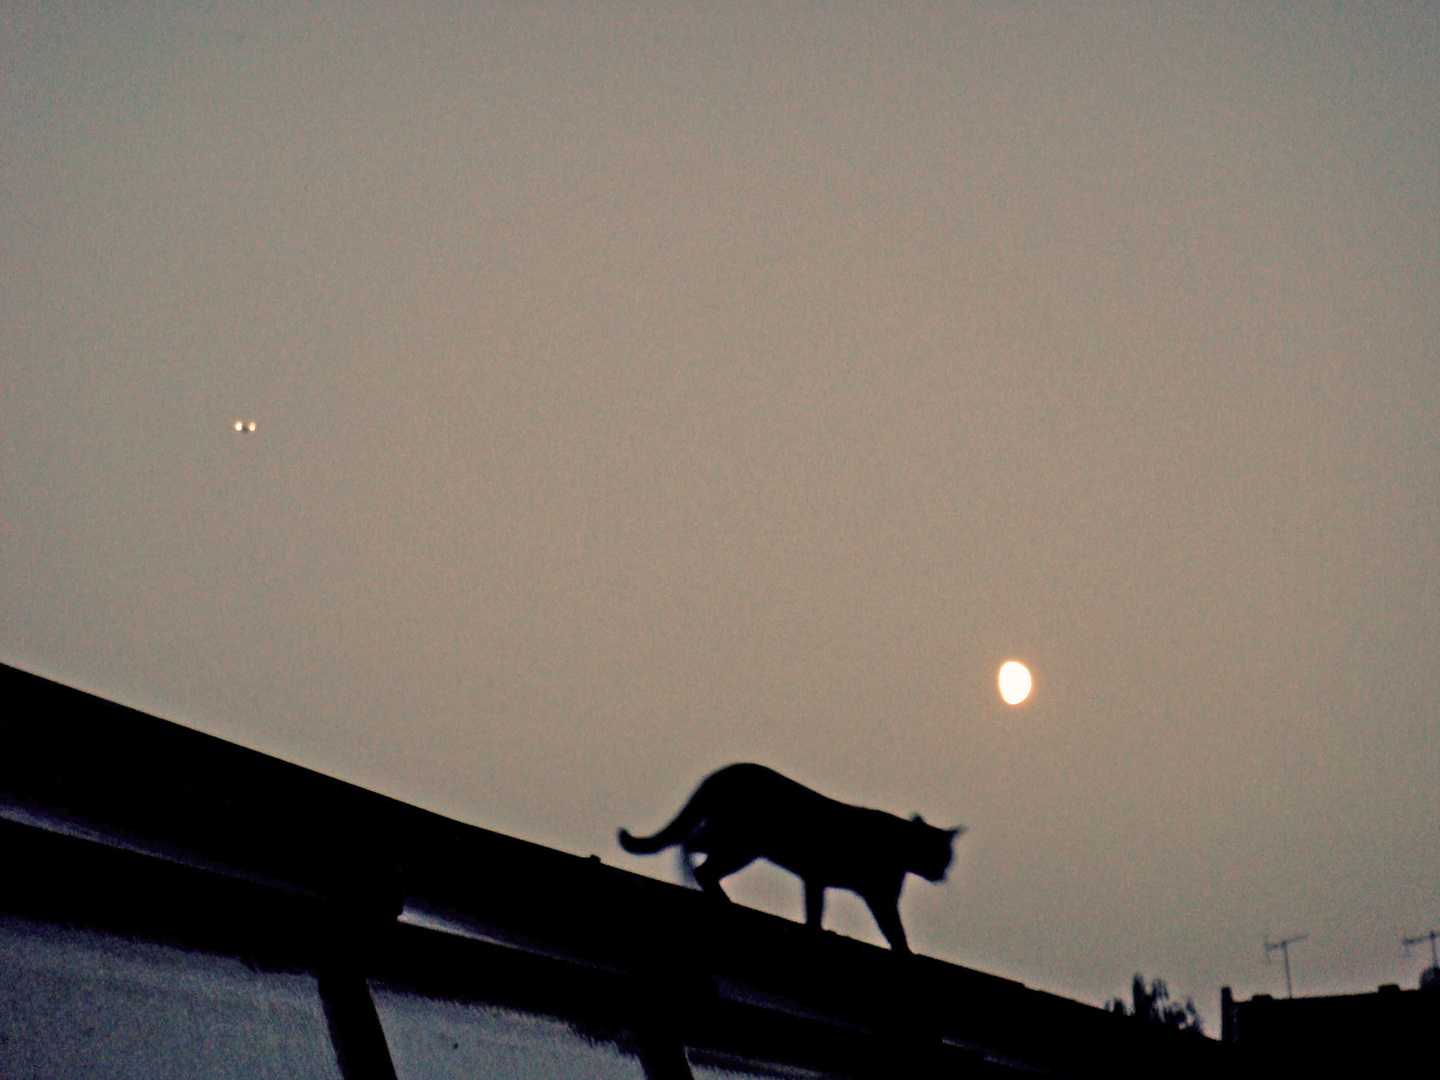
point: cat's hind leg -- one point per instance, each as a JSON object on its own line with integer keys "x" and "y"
{"x": 814, "y": 903}
{"x": 719, "y": 865}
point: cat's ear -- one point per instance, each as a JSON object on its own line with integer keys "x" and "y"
{"x": 917, "y": 819}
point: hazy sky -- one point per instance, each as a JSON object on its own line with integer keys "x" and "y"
{"x": 640, "y": 389}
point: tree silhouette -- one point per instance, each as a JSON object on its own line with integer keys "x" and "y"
{"x": 1152, "y": 1005}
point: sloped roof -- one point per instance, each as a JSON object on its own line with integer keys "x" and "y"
{"x": 117, "y": 820}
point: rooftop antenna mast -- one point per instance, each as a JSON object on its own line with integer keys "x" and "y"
{"x": 1417, "y": 939}
{"x": 1284, "y": 946}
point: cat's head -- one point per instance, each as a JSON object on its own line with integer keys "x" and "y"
{"x": 933, "y": 848}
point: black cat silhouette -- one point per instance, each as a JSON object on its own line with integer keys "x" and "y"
{"x": 746, "y": 812}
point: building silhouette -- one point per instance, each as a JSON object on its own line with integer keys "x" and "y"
{"x": 1390, "y": 1032}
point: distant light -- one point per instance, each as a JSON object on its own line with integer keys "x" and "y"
{"x": 250, "y": 426}
{"x": 239, "y": 425}
{"x": 244, "y": 426}
{"x": 1015, "y": 682}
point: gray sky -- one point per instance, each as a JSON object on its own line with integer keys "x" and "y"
{"x": 640, "y": 390}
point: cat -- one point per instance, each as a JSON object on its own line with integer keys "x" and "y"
{"x": 746, "y": 812}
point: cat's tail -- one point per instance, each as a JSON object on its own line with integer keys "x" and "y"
{"x": 642, "y": 845}
{"x": 677, "y": 832}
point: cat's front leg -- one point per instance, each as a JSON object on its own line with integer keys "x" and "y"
{"x": 885, "y": 906}
{"x": 814, "y": 903}
{"x": 889, "y": 921}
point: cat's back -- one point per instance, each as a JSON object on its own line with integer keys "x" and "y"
{"x": 755, "y": 788}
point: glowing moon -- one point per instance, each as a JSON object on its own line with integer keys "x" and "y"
{"x": 1015, "y": 682}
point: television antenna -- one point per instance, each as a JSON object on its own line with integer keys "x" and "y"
{"x": 1430, "y": 936}
{"x": 1284, "y": 946}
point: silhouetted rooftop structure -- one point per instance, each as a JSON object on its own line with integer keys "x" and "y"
{"x": 176, "y": 905}
{"x": 1383, "y": 1033}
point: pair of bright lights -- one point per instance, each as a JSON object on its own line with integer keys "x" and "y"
{"x": 245, "y": 426}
